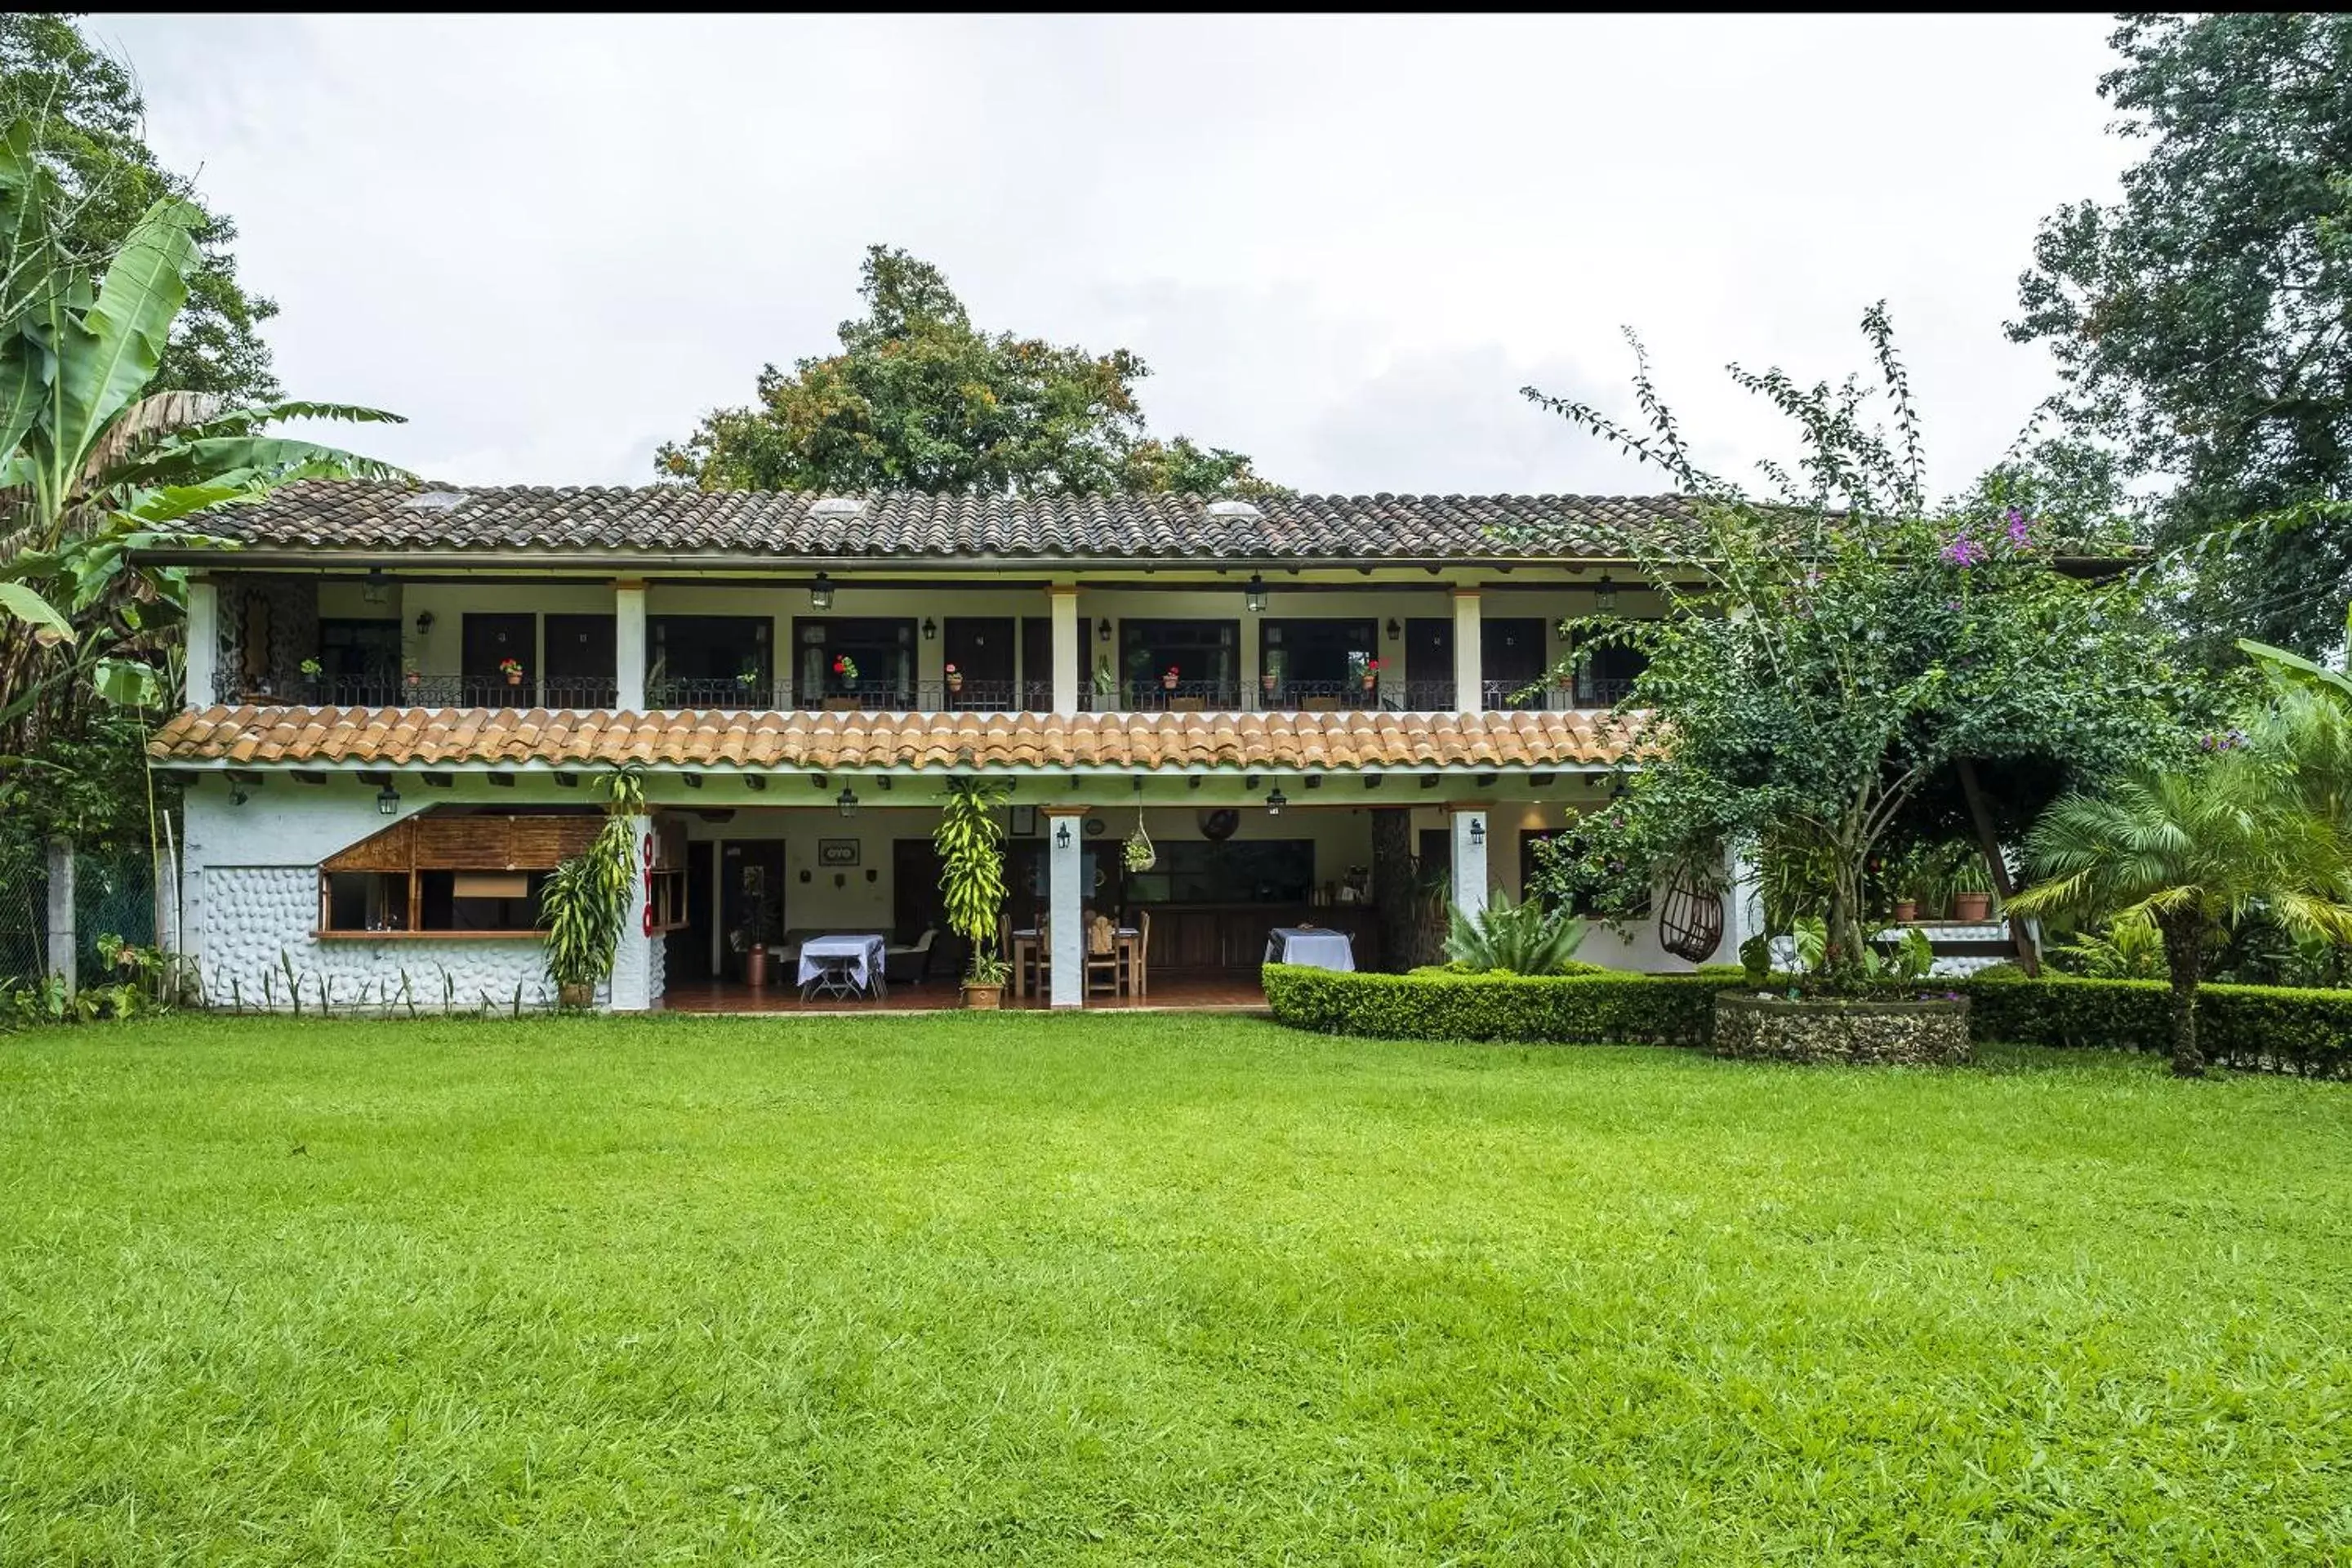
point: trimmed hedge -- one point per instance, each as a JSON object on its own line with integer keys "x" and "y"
{"x": 1612, "y": 1007}
{"x": 2259, "y": 1029}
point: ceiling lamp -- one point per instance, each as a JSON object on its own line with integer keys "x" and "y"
{"x": 847, "y": 801}
{"x": 1275, "y": 802}
{"x": 821, "y": 593}
{"x": 1254, "y": 597}
{"x": 387, "y": 800}
{"x": 1604, "y": 596}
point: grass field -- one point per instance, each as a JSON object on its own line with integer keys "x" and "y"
{"x": 1154, "y": 1289}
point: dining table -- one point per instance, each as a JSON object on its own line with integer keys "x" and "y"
{"x": 1311, "y": 947}
{"x": 853, "y": 957}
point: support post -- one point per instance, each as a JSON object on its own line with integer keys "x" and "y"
{"x": 202, "y": 645}
{"x": 1066, "y": 647}
{"x": 629, "y": 646}
{"x": 632, "y": 984}
{"x": 63, "y": 952}
{"x": 1065, "y": 902}
{"x": 1469, "y": 832}
{"x": 1469, "y": 653}
{"x": 2028, "y": 958}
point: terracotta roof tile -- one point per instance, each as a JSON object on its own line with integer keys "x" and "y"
{"x": 418, "y": 737}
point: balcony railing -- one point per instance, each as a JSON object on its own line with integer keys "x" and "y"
{"x": 967, "y": 695}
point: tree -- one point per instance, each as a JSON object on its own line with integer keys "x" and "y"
{"x": 2200, "y": 323}
{"x": 918, "y": 398}
{"x": 970, "y": 845}
{"x": 2192, "y": 851}
{"x": 1835, "y": 650}
{"x": 90, "y": 111}
{"x": 96, "y": 468}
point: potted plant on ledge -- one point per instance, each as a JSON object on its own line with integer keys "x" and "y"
{"x": 512, "y": 669}
{"x": 1970, "y": 885}
{"x": 970, "y": 844}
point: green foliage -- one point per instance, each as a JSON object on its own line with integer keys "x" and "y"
{"x": 970, "y": 844}
{"x": 1527, "y": 938}
{"x": 2189, "y": 851}
{"x": 920, "y": 398}
{"x": 2255, "y": 1028}
{"x": 1599, "y": 1007}
{"x": 1832, "y": 652}
{"x": 95, "y": 146}
{"x": 2130, "y": 948}
{"x": 586, "y": 900}
{"x": 2197, "y": 324}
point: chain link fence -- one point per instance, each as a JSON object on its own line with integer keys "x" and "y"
{"x": 24, "y": 911}
{"x": 114, "y": 894}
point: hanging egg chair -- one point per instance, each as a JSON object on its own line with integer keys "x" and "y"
{"x": 1690, "y": 918}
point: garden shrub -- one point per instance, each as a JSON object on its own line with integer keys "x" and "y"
{"x": 1610, "y": 1005}
{"x": 2263, "y": 1028}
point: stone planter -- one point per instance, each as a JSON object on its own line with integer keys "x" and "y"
{"x": 1909, "y": 1034}
{"x": 576, "y": 998}
{"x": 983, "y": 998}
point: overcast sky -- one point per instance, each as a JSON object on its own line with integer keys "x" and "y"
{"x": 1341, "y": 246}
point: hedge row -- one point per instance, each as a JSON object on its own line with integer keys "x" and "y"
{"x": 2254, "y": 1027}
{"x": 1652, "y": 1009}
{"x": 2259, "y": 1029}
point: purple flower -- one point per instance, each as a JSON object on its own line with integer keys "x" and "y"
{"x": 2016, "y": 527}
{"x": 1964, "y": 552}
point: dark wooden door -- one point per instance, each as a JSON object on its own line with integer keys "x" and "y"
{"x": 689, "y": 950}
{"x": 1036, "y": 663}
{"x": 1511, "y": 656}
{"x": 1429, "y": 664}
{"x": 980, "y": 647}
{"x": 488, "y": 639}
{"x": 580, "y": 662}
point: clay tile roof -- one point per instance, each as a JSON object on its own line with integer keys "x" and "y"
{"x": 363, "y": 515}
{"x": 418, "y": 737}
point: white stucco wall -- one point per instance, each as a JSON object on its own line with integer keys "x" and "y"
{"x": 251, "y": 903}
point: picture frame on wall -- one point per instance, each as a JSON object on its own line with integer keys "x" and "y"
{"x": 1024, "y": 822}
{"x": 837, "y": 851}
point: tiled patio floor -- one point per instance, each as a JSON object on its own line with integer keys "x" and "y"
{"x": 1209, "y": 993}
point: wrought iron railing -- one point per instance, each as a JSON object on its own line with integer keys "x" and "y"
{"x": 1149, "y": 696}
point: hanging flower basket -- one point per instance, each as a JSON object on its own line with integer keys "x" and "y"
{"x": 1137, "y": 852}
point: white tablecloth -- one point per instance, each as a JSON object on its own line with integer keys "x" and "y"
{"x": 864, "y": 952}
{"x": 1315, "y": 949}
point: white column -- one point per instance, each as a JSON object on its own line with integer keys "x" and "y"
{"x": 62, "y": 954}
{"x": 1744, "y": 900}
{"x": 631, "y": 985}
{"x": 629, "y": 646}
{"x": 1469, "y": 825}
{"x": 203, "y": 642}
{"x": 1067, "y": 652}
{"x": 1066, "y": 901}
{"x": 1469, "y": 663}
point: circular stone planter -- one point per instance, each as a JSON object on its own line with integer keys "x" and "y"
{"x": 1910, "y": 1034}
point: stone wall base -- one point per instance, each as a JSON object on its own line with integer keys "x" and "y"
{"x": 1770, "y": 1028}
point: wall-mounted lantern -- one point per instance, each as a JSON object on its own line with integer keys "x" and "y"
{"x": 821, "y": 593}
{"x": 930, "y": 629}
{"x": 1477, "y": 831}
{"x": 387, "y": 801}
{"x": 1604, "y": 596}
{"x": 1061, "y": 834}
{"x": 1254, "y": 596}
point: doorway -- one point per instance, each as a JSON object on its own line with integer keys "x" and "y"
{"x": 980, "y": 652}
{"x": 751, "y": 900}
{"x": 581, "y": 662}
{"x": 1429, "y": 664}
{"x": 489, "y": 642}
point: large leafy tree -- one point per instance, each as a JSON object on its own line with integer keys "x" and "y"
{"x": 90, "y": 112}
{"x": 920, "y": 398}
{"x": 1836, "y": 649}
{"x": 2200, "y": 324}
{"x": 97, "y": 465}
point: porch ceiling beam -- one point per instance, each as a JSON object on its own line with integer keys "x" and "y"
{"x": 309, "y": 776}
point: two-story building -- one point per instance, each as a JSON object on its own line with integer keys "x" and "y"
{"x": 395, "y": 696}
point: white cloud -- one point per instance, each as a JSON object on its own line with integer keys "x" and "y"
{"x": 1342, "y": 245}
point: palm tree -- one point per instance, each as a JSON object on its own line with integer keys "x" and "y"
{"x": 2189, "y": 850}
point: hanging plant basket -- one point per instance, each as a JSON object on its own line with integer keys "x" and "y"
{"x": 1137, "y": 852}
{"x": 1690, "y": 919}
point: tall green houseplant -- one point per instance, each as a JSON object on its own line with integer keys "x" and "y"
{"x": 586, "y": 900}
{"x": 971, "y": 843}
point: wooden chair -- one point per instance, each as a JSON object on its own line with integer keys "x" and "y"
{"x": 1103, "y": 962}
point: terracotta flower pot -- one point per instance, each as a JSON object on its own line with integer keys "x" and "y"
{"x": 576, "y": 998}
{"x": 1168, "y": 683}
{"x": 1906, "y": 912}
{"x": 755, "y": 965}
{"x": 1971, "y": 906}
{"x": 983, "y": 998}
{"x": 514, "y": 681}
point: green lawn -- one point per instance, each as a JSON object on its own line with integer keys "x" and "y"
{"x": 1154, "y": 1290}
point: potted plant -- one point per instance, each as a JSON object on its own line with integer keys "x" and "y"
{"x": 1106, "y": 678}
{"x": 749, "y": 676}
{"x": 1169, "y": 677}
{"x": 970, "y": 844}
{"x": 955, "y": 679}
{"x": 587, "y": 897}
{"x": 760, "y": 920}
{"x": 1970, "y": 885}
{"x": 1371, "y": 673}
{"x": 311, "y": 670}
{"x": 410, "y": 673}
{"x": 512, "y": 669}
{"x": 1266, "y": 682}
